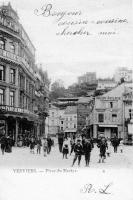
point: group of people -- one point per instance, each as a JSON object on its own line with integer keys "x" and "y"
{"x": 79, "y": 145}
{"x": 38, "y": 144}
{"x": 82, "y": 146}
{"x": 6, "y": 144}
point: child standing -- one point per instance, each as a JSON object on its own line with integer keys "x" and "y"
{"x": 65, "y": 150}
{"x": 108, "y": 148}
{"x": 121, "y": 146}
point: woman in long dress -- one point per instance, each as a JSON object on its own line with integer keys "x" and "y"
{"x": 45, "y": 146}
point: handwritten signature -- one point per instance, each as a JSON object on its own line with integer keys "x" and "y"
{"x": 90, "y": 188}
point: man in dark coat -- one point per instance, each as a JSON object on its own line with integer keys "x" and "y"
{"x": 87, "y": 151}
{"x": 102, "y": 145}
{"x": 78, "y": 149}
{"x": 9, "y": 145}
{"x": 49, "y": 142}
{"x": 60, "y": 141}
{"x": 92, "y": 142}
{"x": 115, "y": 144}
{"x": 72, "y": 146}
{"x": 3, "y": 142}
{"x": 83, "y": 141}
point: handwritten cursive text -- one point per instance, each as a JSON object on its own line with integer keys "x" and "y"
{"x": 89, "y": 188}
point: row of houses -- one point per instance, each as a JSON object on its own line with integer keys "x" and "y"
{"x": 112, "y": 113}
{"x": 61, "y": 120}
{"x": 108, "y": 114}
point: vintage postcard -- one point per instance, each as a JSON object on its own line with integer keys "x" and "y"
{"x": 66, "y": 99}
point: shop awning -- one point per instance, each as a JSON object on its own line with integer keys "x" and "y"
{"x": 108, "y": 125}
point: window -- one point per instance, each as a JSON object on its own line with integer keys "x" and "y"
{"x": 100, "y": 117}
{"x": 12, "y": 76}
{"x": 61, "y": 122}
{"x": 74, "y": 125}
{"x": 2, "y": 44}
{"x": 2, "y": 73}
{"x": 26, "y": 103}
{"x": 11, "y": 98}
{"x": 130, "y": 114}
{"x": 66, "y": 125}
{"x": 12, "y": 48}
{"x": 70, "y": 118}
{"x": 114, "y": 117}
{"x": 1, "y": 96}
{"x": 27, "y": 85}
{"x": 52, "y": 114}
{"x": 67, "y": 119}
{"x": 22, "y": 82}
{"x": 111, "y": 104}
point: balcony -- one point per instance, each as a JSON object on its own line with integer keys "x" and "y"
{"x": 17, "y": 110}
{"x": 14, "y": 58}
{"x": 10, "y": 55}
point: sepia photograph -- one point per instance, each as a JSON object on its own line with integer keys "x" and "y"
{"x": 66, "y": 99}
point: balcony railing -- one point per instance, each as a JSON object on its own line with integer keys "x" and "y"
{"x": 15, "y": 58}
{"x": 17, "y": 110}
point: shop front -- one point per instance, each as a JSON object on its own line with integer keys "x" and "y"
{"x": 18, "y": 126}
{"x": 108, "y": 131}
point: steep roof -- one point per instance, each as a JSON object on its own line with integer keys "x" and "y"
{"x": 71, "y": 110}
{"x": 84, "y": 99}
{"x": 119, "y": 90}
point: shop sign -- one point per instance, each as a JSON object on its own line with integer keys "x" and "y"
{"x": 108, "y": 98}
{"x": 10, "y": 55}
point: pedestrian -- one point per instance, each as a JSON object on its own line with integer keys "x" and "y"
{"x": 92, "y": 142}
{"x": 49, "y": 143}
{"x": 8, "y": 147}
{"x": 72, "y": 144}
{"x": 87, "y": 151}
{"x": 121, "y": 146}
{"x": 32, "y": 145}
{"x": 39, "y": 144}
{"x": 65, "y": 150}
{"x": 60, "y": 141}
{"x": 108, "y": 148}
{"x": 45, "y": 146}
{"x": 115, "y": 143}
{"x": 3, "y": 142}
{"x": 102, "y": 146}
{"x": 78, "y": 149}
{"x": 83, "y": 141}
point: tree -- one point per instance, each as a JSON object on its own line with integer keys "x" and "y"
{"x": 57, "y": 90}
{"x": 79, "y": 90}
{"x": 44, "y": 76}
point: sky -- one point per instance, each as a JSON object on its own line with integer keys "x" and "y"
{"x": 68, "y": 56}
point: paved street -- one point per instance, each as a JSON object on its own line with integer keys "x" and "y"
{"x": 21, "y": 157}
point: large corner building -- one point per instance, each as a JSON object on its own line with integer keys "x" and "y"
{"x": 18, "y": 76}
